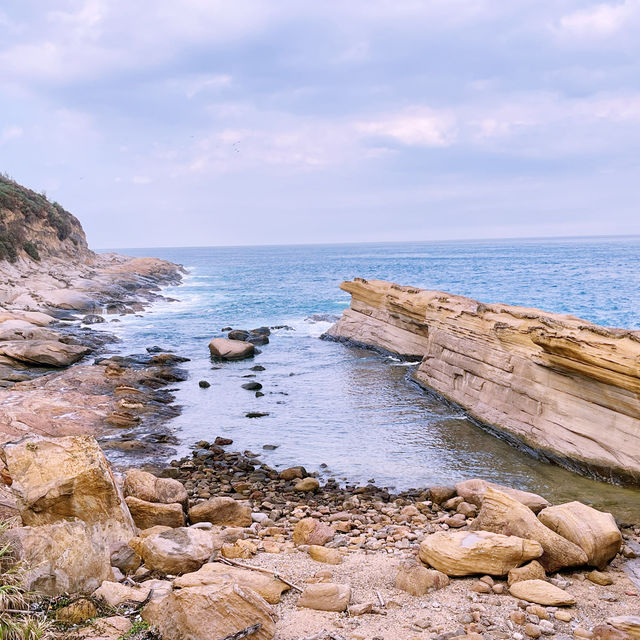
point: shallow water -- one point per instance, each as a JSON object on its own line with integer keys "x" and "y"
{"x": 354, "y": 410}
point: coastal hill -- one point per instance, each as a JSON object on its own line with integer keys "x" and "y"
{"x": 32, "y": 227}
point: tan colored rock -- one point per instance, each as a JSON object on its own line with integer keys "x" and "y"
{"x": 292, "y": 473}
{"x": 77, "y": 612}
{"x": 226, "y": 349}
{"x": 503, "y": 514}
{"x": 115, "y": 593}
{"x": 203, "y": 613}
{"x": 239, "y": 549}
{"x": 307, "y": 484}
{"x": 216, "y": 573}
{"x": 325, "y": 597}
{"x": 595, "y": 532}
{"x": 112, "y": 628}
{"x": 626, "y": 624}
{"x": 418, "y": 580}
{"x": 51, "y": 353}
{"x": 324, "y": 554}
{"x": 177, "y": 551}
{"x": 146, "y": 486}
{"x": 555, "y": 382}
{"x": 599, "y": 577}
{"x": 603, "y": 632}
{"x": 312, "y": 531}
{"x": 531, "y": 571}
{"x": 563, "y": 615}
{"x": 462, "y": 553}
{"x": 541, "y": 592}
{"x": 148, "y": 514}
{"x": 63, "y": 557}
{"x": 473, "y": 491}
{"x": 222, "y": 510}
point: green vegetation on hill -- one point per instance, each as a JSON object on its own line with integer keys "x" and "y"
{"x": 21, "y": 212}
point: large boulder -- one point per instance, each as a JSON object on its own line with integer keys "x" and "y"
{"x": 222, "y": 510}
{"x": 115, "y": 594}
{"x": 216, "y": 573}
{"x": 595, "y": 532}
{"x": 213, "y": 611}
{"x": 149, "y": 514}
{"x": 503, "y": 514}
{"x": 226, "y": 349}
{"x": 473, "y": 491}
{"x": 62, "y": 557}
{"x": 541, "y": 592}
{"x": 43, "y": 352}
{"x": 463, "y": 553}
{"x": 146, "y": 486}
{"x": 176, "y": 551}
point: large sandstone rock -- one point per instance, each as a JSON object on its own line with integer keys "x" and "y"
{"x": 222, "y": 510}
{"x": 325, "y": 596}
{"x": 626, "y": 624}
{"x": 502, "y": 514}
{"x": 176, "y": 551}
{"x": 556, "y": 383}
{"x": 146, "y": 486}
{"x": 312, "y": 531}
{"x": 62, "y": 557}
{"x": 531, "y": 571}
{"x": 541, "y": 592}
{"x": 216, "y": 573}
{"x": 595, "y": 532}
{"x": 226, "y": 349}
{"x": 148, "y": 514}
{"x": 205, "y": 613}
{"x": 115, "y": 594}
{"x": 473, "y": 491}
{"x": 418, "y": 580}
{"x": 463, "y": 553}
{"x": 51, "y": 353}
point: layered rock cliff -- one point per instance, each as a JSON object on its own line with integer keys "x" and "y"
{"x": 556, "y": 385}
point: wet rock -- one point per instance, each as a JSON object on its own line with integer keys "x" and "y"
{"x": 418, "y": 580}
{"x": 222, "y": 442}
{"x": 148, "y": 514}
{"x": 92, "y": 318}
{"x": 325, "y": 597}
{"x": 252, "y": 386}
{"x": 459, "y": 553}
{"x": 595, "y": 532}
{"x": 256, "y": 414}
{"x": 226, "y": 349}
{"x": 440, "y": 494}
{"x": 312, "y": 532}
{"x": 540, "y": 592}
{"x": 258, "y": 367}
{"x": 222, "y": 510}
{"x": 203, "y": 384}
{"x": 530, "y": 571}
{"x": 238, "y": 334}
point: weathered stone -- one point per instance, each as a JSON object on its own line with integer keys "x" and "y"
{"x": 473, "y": 491}
{"x": 440, "y": 494}
{"x": 216, "y": 573}
{"x": 115, "y": 594}
{"x": 599, "y": 577}
{"x": 112, "y": 628}
{"x": 627, "y": 624}
{"x": 324, "y": 554}
{"x": 325, "y": 597}
{"x": 77, "y": 612}
{"x": 604, "y": 631}
{"x": 418, "y": 580}
{"x": 148, "y": 514}
{"x": 203, "y": 613}
{"x": 43, "y": 352}
{"x": 146, "y": 486}
{"x": 503, "y": 514}
{"x": 531, "y": 571}
{"x": 312, "y": 531}
{"x": 226, "y": 349}
{"x": 461, "y": 553}
{"x": 293, "y": 472}
{"x": 540, "y": 592}
{"x": 595, "y": 532}
{"x": 124, "y": 558}
{"x": 307, "y": 484}
{"x": 222, "y": 510}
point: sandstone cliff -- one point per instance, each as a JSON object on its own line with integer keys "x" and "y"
{"x": 556, "y": 385}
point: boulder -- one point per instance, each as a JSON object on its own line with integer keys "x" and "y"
{"x": 626, "y": 624}
{"x": 115, "y": 594}
{"x": 176, "y": 551}
{"x": 606, "y": 631}
{"x": 77, "y": 612}
{"x": 462, "y": 553}
{"x": 124, "y": 558}
{"x": 213, "y": 611}
{"x": 222, "y": 510}
{"x": 112, "y": 628}
{"x": 226, "y": 349}
{"x": 473, "y": 491}
{"x": 541, "y": 592}
{"x": 307, "y": 484}
{"x": 312, "y": 531}
{"x": 418, "y": 580}
{"x": 292, "y": 473}
{"x": 440, "y": 494}
{"x": 148, "y": 514}
{"x": 51, "y": 353}
{"x": 146, "y": 486}
{"x": 530, "y": 571}
{"x": 216, "y": 573}
{"x": 595, "y": 532}
{"x": 62, "y": 557}
{"x": 325, "y": 596}
{"x": 324, "y": 554}
{"x": 503, "y": 514}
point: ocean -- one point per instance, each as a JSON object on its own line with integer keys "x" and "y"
{"x": 351, "y": 413}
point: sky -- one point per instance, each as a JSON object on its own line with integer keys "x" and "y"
{"x": 218, "y": 122}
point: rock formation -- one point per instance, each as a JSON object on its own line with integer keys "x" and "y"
{"x": 555, "y": 384}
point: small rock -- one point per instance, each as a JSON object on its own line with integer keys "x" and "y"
{"x": 307, "y": 484}
{"x": 599, "y": 577}
{"x": 77, "y": 612}
{"x": 325, "y": 597}
{"x": 203, "y": 384}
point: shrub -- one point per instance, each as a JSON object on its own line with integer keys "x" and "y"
{"x": 31, "y": 250}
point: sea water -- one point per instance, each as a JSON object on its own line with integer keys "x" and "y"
{"x": 353, "y": 410}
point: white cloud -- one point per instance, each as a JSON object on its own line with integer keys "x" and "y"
{"x": 10, "y": 132}
{"x": 206, "y": 83}
{"x": 602, "y": 20}
{"x": 141, "y": 180}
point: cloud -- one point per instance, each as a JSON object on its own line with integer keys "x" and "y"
{"x": 414, "y": 127}
{"x": 600, "y": 21}
{"x": 11, "y": 132}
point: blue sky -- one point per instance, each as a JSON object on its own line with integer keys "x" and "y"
{"x": 282, "y": 121}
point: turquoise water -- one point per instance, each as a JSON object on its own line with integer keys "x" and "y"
{"x": 353, "y": 410}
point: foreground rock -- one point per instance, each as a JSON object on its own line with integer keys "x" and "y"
{"x": 541, "y": 592}
{"x": 226, "y": 349}
{"x": 418, "y": 580}
{"x": 462, "y": 553}
{"x": 221, "y": 510}
{"x": 473, "y": 491}
{"x": 556, "y": 383}
{"x": 325, "y": 597}
{"x": 146, "y": 486}
{"x": 204, "y": 613}
{"x": 43, "y": 352}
